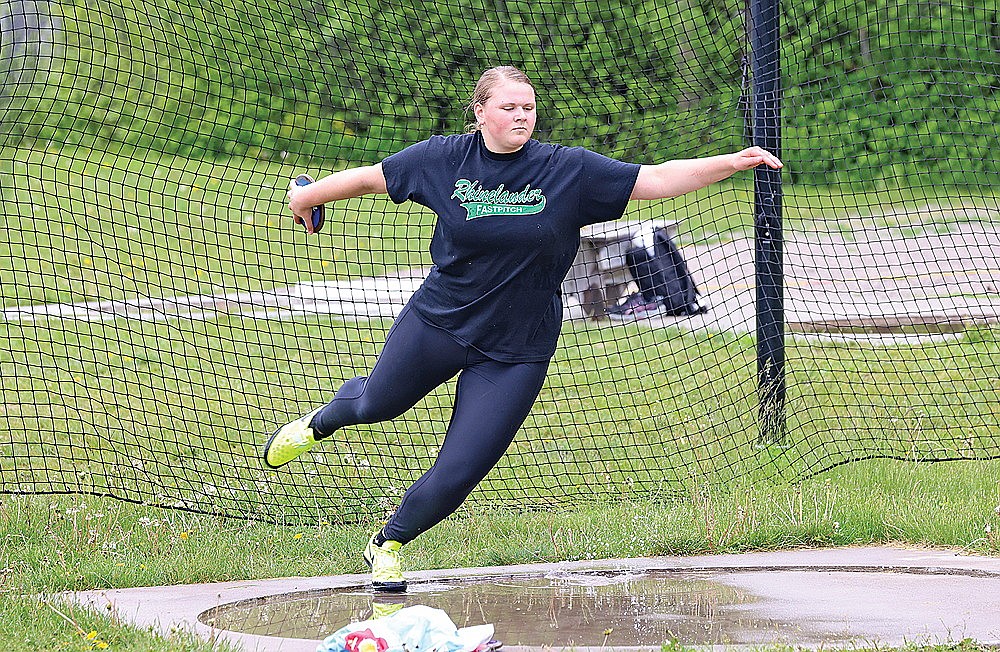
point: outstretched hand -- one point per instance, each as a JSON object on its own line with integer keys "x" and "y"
{"x": 751, "y": 157}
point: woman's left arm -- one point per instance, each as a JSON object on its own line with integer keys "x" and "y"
{"x": 674, "y": 178}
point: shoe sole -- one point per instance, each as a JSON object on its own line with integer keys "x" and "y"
{"x": 267, "y": 447}
{"x": 384, "y": 587}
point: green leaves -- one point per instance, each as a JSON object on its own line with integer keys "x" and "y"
{"x": 873, "y": 87}
{"x": 869, "y": 88}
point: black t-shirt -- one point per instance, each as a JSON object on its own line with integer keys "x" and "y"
{"x": 507, "y": 232}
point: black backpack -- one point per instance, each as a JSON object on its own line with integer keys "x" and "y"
{"x": 663, "y": 274}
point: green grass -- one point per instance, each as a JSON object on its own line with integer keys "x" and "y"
{"x": 172, "y": 412}
{"x": 50, "y": 544}
{"x": 44, "y": 624}
{"x": 86, "y": 225}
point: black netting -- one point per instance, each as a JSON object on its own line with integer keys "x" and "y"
{"x": 161, "y": 314}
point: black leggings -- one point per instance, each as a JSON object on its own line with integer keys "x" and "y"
{"x": 492, "y": 399}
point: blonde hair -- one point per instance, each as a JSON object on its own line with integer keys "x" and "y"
{"x": 490, "y": 79}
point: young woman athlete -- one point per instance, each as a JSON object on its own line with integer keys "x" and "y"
{"x": 509, "y": 212}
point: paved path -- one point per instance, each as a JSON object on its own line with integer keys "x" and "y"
{"x": 889, "y": 284}
{"x": 883, "y": 284}
{"x": 822, "y": 598}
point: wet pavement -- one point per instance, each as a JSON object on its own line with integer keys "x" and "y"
{"x": 840, "y": 598}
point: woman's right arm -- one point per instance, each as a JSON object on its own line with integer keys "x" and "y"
{"x": 345, "y": 184}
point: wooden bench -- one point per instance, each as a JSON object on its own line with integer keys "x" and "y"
{"x": 599, "y": 277}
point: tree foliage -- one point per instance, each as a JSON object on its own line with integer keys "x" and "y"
{"x": 869, "y": 88}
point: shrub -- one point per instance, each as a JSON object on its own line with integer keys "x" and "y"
{"x": 869, "y": 88}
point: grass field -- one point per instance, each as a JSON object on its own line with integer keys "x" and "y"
{"x": 52, "y": 544}
{"x": 121, "y": 225}
{"x": 172, "y": 412}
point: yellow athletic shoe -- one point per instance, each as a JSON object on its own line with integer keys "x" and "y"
{"x": 387, "y": 572}
{"x": 289, "y": 441}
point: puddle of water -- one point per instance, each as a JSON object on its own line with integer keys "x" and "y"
{"x": 582, "y": 609}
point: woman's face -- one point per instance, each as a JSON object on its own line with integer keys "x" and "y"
{"x": 508, "y": 117}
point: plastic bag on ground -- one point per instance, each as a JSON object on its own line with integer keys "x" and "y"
{"x": 411, "y": 629}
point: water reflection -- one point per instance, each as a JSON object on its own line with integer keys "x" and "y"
{"x": 554, "y": 610}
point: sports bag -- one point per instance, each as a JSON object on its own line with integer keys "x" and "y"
{"x": 662, "y": 275}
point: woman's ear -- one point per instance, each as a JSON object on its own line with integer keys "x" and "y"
{"x": 480, "y": 111}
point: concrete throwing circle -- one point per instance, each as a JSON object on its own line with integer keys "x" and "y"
{"x": 807, "y": 598}
{"x": 727, "y": 606}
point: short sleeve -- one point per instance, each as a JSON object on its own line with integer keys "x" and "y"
{"x": 403, "y": 171}
{"x": 605, "y": 187}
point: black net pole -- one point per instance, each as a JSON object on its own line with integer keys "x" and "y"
{"x": 766, "y": 133}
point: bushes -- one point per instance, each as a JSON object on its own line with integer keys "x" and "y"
{"x": 872, "y": 87}
{"x": 869, "y": 86}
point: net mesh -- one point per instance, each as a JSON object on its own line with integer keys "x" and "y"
{"x": 162, "y": 316}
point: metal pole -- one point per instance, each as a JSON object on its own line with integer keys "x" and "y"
{"x": 766, "y": 129}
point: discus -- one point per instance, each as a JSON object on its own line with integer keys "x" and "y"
{"x": 318, "y": 212}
